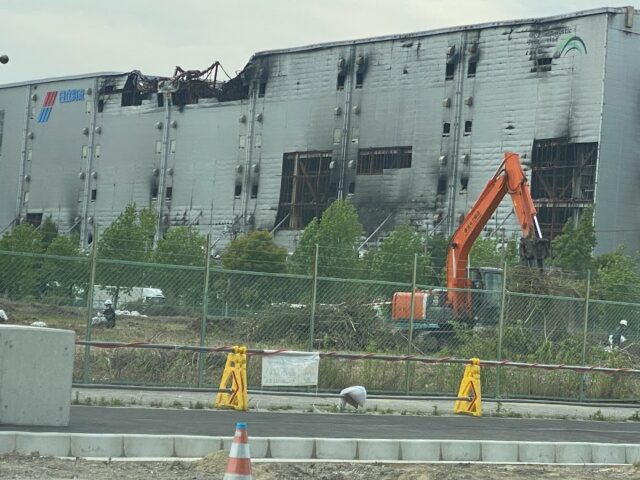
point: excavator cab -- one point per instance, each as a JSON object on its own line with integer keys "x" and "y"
{"x": 486, "y": 278}
{"x": 485, "y": 297}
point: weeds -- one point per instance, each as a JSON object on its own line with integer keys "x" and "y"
{"x": 180, "y": 368}
{"x": 275, "y": 408}
{"x": 598, "y": 416}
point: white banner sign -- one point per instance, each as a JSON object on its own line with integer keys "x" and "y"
{"x": 290, "y": 369}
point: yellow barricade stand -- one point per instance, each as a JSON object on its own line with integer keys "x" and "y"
{"x": 235, "y": 371}
{"x": 470, "y": 388}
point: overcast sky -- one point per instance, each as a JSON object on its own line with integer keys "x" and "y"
{"x": 51, "y": 38}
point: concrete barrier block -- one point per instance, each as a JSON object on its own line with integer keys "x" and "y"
{"x": 95, "y": 445}
{"x": 148, "y": 446}
{"x": 226, "y": 443}
{"x": 633, "y": 453}
{"x": 336, "y": 448}
{"x": 378, "y": 449}
{"x": 36, "y": 367}
{"x": 496, "y": 451}
{"x": 420, "y": 450}
{"x": 259, "y": 447}
{"x": 608, "y": 453}
{"x": 192, "y": 446}
{"x": 292, "y": 447}
{"x": 46, "y": 444}
{"x": 537, "y": 452}
{"x": 568, "y": 452}
{"x": 7, "y": 442}
{"x": 460, "y": 450}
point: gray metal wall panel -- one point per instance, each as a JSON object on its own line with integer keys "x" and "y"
{"x": 57, "y": 152}
{"x": 617, "y": 216}
{"x": 124, "y": 168}
{"x": 207, "y": 151}
{"x": 14, "y": 102}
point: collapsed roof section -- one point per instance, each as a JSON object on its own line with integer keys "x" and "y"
{"x": 186, "y": 87}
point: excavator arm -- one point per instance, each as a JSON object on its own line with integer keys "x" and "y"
{"x": 509, "y": 178}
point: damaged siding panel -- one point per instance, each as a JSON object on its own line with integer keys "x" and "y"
{"x": 304, "y": 194}
{"x": 269, "y": 192}
{"x": 298, "y": 115}
{"x": 586, "y": 80}
{"x": 503, "y": 112}
{"x": 402, "y": 88}
{"x": 389, "y": 189}
{"x": 400, "y": 103}
{"x": 303, "y": 75}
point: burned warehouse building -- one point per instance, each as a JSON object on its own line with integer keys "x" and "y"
{"x": 409, "y": 127}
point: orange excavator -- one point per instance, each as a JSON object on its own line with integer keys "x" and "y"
{"x": 434, "y": 311}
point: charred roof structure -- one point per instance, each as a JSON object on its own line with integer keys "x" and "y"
{"x": 409, "y": 127}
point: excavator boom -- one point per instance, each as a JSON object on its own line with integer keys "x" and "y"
{"x": 509, "y": 178}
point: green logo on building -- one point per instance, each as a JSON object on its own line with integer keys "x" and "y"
{"x": 569, "y": 43}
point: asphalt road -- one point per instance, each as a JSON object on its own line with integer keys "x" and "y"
{"x": 157, "y": 421}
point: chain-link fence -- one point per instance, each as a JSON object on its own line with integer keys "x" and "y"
{"x": 193, "y": 305}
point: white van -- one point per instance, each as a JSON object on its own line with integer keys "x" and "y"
{"x": 127, "y": 295}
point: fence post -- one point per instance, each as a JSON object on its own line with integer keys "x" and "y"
{"x": 503, "y": 303}
{"x": 86, "y": 369}
{"x": 584, "y": 334}
{"x": 205, "y": 303}
{"x": 411, "y": 315}
{"x": 314, "y": 293}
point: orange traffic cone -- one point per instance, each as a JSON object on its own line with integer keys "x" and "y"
{"x": 239, "y": 464}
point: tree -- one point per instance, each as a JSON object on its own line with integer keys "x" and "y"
{"x": 180, "y": 286}
{"x": 490, "y": 252}
{"x": 616, "y": 277}
{"x": 19, "y": 274}
{"x": 338, "y": 234}
{"x": 65, "y": 246}
{"x": 572, "y": 250}
{"x": 49, "y": 231}
{"x": 252, "y": 252}
{"x": 129, "y": 238}
{"x": 65, "y": 278}
{"x": 393, "y": 261}
{"x": 302, "y": 260}
{"x": 23, "y": 238}
{"x": 180, "y": 247}
{"x": 437, "y": 247}
{"x": 255, "y": 252}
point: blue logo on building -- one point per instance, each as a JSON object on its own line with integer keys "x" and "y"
{"x": 47, "y": 106}
{"x": 72, "y": 95}
{"x": 65, "y": 96}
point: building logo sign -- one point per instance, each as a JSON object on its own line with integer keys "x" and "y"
{"x": 72, "y": 95}
{"x": 569, "y": 43}
{"x": 47, "y": 106}
{"x": 64, "y": 96}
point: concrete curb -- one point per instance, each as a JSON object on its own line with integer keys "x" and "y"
{"x": 322, "y": 449}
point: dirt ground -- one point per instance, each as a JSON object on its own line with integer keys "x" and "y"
{"x": 213, "y": 467}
